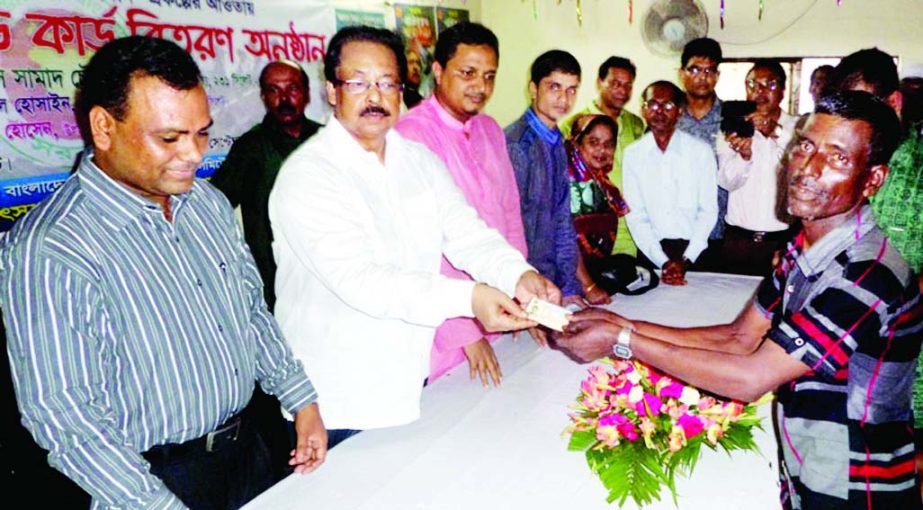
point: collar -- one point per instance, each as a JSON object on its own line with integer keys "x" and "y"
{"x": 275, "y": 129}
{"x": 114, "y": 202}
{"x": 551, "y": 136}
{"x": 447, "y": 118}
{"x": 713, "y": 114}
{"x": 819, "y": 256}
{"x": 349, "y": 148}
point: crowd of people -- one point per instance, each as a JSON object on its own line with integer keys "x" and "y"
{"x": 152, "y": 342}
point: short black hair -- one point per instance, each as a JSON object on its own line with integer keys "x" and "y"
{"x": 265, "y": 71}
{"x": 551, "y": 61}
{"x": 860, "y": 105}
{"x": 771, "y": 66}
{"x": 362, "y": 33}
{"x": 466, "y": 32}
{"x": 826, "y": 70}
{"x": 871, "y": 66}
{"x": 106, "y": 79}
{"x": 704, "y": 47}
{"x": 679, "y": 97}
{"x": 617, "y": 63}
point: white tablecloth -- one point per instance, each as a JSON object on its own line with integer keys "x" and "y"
{"x": 503, "y": 448}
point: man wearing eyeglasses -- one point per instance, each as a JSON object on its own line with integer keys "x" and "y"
{"x": 747, "y": 168}
{"x": 670, "y": 182}
{"x": 472, "y": 145}
{"x": 361, "y": 217}
{"x": 701, "y": 118}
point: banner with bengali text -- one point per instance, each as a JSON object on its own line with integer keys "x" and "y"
{"x": 44, "y": 45}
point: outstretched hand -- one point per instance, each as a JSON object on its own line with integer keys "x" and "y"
{"x": 496, "y": 311}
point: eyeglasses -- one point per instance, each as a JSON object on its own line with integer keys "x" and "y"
{"x": 356, "y": 87}
{"x": 696, "y": 71}
{"x": 656, "y": 106}
{"x": 771, "y": 85}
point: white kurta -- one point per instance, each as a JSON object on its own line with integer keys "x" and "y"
{"x": 753, "y": 184}
{"x": 358, "y": 247}
{"x": 673, "y": 194}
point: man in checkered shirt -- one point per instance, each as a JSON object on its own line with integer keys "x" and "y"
{"x": 835, "y": 330}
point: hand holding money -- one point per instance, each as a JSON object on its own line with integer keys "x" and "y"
{"x": 496, "y": 311}
{"x": 549, "y": 315}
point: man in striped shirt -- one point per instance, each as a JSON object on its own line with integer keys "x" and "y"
{"x": 835, "y": 330}
{"x": 134, "y": 311}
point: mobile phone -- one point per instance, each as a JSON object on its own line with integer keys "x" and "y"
{"x": 732, "y": 118}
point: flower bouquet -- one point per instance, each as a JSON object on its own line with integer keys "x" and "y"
{"x": 640, "y": 427}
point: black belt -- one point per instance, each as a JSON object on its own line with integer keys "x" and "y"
{"x": 227, "y": 434}
{"x": 758, "y": 236}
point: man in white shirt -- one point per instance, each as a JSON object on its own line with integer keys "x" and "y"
{"x": 361, "y": 218}
{"x": 748, "y": 169}
{"x": 670, "y": 185}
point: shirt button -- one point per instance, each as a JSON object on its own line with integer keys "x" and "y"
{"x": 220, "y": 328}
{"x": 790, "y": 289}
{"x": 198, "y": 282}
{"x": 799, "y": 342}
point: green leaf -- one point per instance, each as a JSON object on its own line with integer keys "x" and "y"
{"x": 581, "y": 440}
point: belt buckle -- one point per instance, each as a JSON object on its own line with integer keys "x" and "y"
{"x": 758, "y": 237}
{"x": 211, "y": 438}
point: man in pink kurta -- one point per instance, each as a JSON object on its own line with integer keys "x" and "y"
{"x": 473, "y": 147}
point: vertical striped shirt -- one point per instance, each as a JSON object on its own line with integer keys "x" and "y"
{"x": 849, "y": 308}
{"x": 127, "y": 331}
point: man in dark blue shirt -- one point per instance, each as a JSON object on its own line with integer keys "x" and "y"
{"x": 536, "y": 149}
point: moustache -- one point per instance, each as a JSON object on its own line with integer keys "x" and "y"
{"x": 805, "y": 184}
{"x": 285, "y": 108}
{"x": 375, "y": 110}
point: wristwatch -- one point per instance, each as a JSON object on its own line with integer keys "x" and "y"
{"x": 622, "y": 348}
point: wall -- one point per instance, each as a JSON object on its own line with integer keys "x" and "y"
{"x": 387, "y": 7}
{"x": 788, "y": 28}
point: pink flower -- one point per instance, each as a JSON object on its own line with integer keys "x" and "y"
{"x": 621, "y": 365}
{"x": 691, "y": 425}
{"x": 608, "y": 430}
{"x": 647, "y": 427}
{"x": 706, "y": 402}
{"x": 733, "y": 409}
{"x": 598, "y": 376}
{"x": 714, "y": 433}
{"x": 677, "y": 439}
{"x": 608, "y": 434}
{"x": 627, "y": 429}
{"x": 673, "y": 390}
{"x": 675, "y": 411}
{"x": 595, "y": 399}
{"x": 649, "y": 405}
{"x": 622, "y": 385}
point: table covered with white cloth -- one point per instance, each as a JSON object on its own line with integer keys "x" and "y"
{"x": 503, "y": 448}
